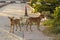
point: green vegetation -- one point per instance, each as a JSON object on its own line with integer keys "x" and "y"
{"x": 54, "y": 24}
{"x": 45, "y": 5}
{"x": 54, "y": 7}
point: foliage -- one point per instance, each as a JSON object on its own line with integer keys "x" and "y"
{"x": 54, "y": 24}
{"x": 46, "y": 5}
{"x": 57, "y": 13}
{"x": 51, "y": 1}
{"x": 48, "y": 23}
{"x": 33, "y": 2}
{"x": 36, "y": 7}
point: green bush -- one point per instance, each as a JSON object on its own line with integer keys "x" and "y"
{"x": 54, "y": 24}
{"x": 48, "y": 22}
{"x": 47, "y": 5}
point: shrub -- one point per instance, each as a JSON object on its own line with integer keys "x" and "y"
{"x": 54, "y": 24}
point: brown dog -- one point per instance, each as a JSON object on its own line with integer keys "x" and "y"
{"x": 14, "y": 22}
{"x": 35, "y": 20}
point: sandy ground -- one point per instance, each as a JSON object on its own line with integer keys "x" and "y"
{"x": 17, "y": 10}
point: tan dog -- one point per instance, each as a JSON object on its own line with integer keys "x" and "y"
{"x": 13, "y": 23}
{"x": 35, "y": 20}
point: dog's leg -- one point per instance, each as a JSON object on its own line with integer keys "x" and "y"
{"x": 27, "y": 23}
{"x": 16, "y": 27}
{"x": 38, "y": 26}
{"x": 12, "y": 28}
{"x": 19, "y": 26}
{"x": 27, "y": 27}
{"x": 30, "y": 26}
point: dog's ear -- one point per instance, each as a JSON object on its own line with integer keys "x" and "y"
{"x": 9, "y": 17}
